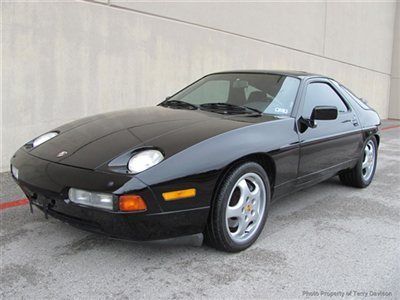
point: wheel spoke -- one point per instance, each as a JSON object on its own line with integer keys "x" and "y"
{"x": 244, "y": 189}
{"x": 256, "y": 204}
{"x": 242, "y": 227}
{"x": 365, "y": 164}
{"x": 256, "y": 192}
{"x": 234, "y": 211}
{"x": 255, "y": 216}
{"x": 370, "y": 150}
{"x": 372, "y": 154}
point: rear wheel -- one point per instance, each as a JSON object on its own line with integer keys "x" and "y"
{"x": 362, "y": 174}
{"x": 240, "y": 209}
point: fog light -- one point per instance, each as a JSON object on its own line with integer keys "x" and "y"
{"x": 94, "y": 199}
{"x": 132, "y": 203}
{"x": 14, "y": 172}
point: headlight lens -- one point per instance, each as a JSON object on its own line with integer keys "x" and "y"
{"x": 43, "y": 138}
{"x": 144, "y": 160}
{"x": 94, "y": 199}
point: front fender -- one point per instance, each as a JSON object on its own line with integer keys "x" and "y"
{"x": 200, "y": 165}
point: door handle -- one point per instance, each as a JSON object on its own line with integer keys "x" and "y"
{"x": 353, "y": 121}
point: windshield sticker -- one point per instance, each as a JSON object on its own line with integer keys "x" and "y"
{"x": 281, "y": 110}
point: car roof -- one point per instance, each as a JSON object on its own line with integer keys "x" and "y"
{"x": 301, "y": 74}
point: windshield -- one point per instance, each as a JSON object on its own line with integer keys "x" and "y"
{"x": 268, "y": 93}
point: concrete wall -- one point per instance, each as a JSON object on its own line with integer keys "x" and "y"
{"x": 62, "y": 61}
{"x": 394, "y": 104}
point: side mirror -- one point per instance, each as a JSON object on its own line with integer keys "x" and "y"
{"x": 318, "y": 113}
{"x": 167, "y": 98}
{"x": 324, "y": 113}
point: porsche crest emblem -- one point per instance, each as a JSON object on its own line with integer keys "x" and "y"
{"x": 62, "y": 153}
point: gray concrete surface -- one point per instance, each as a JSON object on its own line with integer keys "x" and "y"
{"x": 63, "y": 60}
{"x": 329, "y": 238}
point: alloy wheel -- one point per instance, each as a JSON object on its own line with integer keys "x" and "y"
{"x": 368, "y": 163}
{"x": 246, "y": 207}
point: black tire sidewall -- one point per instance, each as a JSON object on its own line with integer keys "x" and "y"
{"x": 223, "y": 198}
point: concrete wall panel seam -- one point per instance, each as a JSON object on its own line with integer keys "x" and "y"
{"x": 234, "y": 34}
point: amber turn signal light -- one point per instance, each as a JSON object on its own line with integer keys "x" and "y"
{"x": 181, "y": 194}
{"x": 132, "y": 203}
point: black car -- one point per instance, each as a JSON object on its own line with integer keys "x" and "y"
{"x": 208, "y": 159}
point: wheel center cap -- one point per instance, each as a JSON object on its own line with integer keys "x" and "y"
{"x": 248, "y": 207}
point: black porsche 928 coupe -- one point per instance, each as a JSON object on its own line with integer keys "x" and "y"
{"x": 208, "y": 159}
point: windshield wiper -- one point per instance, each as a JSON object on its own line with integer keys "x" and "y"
{"x": 178, "y": 104}
{"x": 228, "y": 107}
{"x": 253, "y": 109}
{"x": 222, "y": 106}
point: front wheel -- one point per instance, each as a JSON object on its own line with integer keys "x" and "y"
{"x": 362, "y": 174}
{"x": 239, "y": 211}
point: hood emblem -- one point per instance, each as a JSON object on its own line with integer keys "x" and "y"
{"x": 62, "y": 153}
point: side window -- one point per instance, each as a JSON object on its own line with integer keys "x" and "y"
{"x": 212, "y": 91}
{"x": 321, "y": 94}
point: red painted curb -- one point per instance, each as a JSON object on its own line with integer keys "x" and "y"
{"x": 19, "y": 202}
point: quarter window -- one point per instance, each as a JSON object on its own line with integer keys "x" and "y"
{"x": 322, "y": 94}
{"x": 355, "y": 98}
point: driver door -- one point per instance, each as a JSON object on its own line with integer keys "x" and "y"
{"x": 332, "y": 144}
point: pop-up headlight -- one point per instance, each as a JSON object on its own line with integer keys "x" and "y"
{"x": 43, "y": 138}
{"x": 144, "y": 160}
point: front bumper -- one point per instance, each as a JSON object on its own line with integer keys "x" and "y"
{"x": 46, "y": 185}
{"x": 129, "y": 225}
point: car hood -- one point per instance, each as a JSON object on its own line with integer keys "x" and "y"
{"x": 91, "y": 142}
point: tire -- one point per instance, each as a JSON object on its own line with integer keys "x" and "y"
{"x": 362, "y": 174}
{"x": 248, "y": 208}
